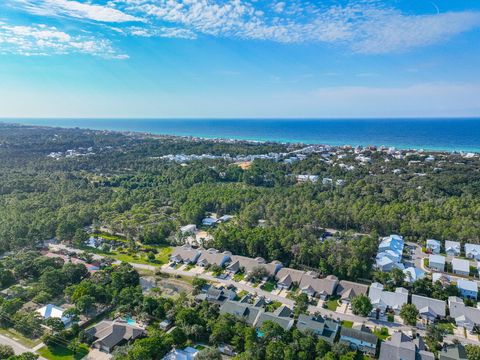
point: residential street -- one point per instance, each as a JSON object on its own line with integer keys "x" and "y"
{"x": 17, "y": 347}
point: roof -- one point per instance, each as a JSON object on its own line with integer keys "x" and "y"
{"x": 249, "y": 264}
{"x": 289, "y": 276}
{"x": 53, "y": 311}
{"x": 382, "y": 298}
{"x": 413, "y": 274}
{"x": 458, "y": 309}
{"x": 324, "y": 286}
{"x": 111, "y": 333}
{"x": 437, "y": 259}
{"x": 283, "y": 311}
{"x": 461, "y": 265}
{"x": 467, "y": 285}
{"x": 185, "y": 253}
{"x": 421, "y": 302}
{"x": 473, "y": 249}
{"x": 285, "y": 322}
{"x": 433, "y": 243}
{"x": 325, "y": 328}
{"x": 241, "y": 310}
{"x": 453, "y": 352}
{"x": 401, "y": 346}
{"x": 362, "y": 335}
{"x": 350, "y": 289}
{"x": 452, "y": 246}
{"x": 213, "y": 256}
{"x": 188, "y": 353}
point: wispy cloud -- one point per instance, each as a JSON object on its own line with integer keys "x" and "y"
{"x": 363, "y": 26}
{"x": 45, "y": 40}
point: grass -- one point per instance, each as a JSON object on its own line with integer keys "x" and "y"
{"x": 15, "y": 335}
{"x": 274, "y": 305}
{"x": 446, "y": 327}
{"x": 57, "y": 352}
{"x": 331, "y": 304}
{"x": 381, "y": 333}
{"x": 269, "y": 286}
{"x": 162, "y": 256}
{"x": 347, "y": 324}
{"x": 108, "y": 236}
{"x": 238, "y": 277}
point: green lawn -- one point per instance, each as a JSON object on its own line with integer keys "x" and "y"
{"x": 446, "y": 327}
{"x": 347, "y": 324}
{"x": 332, "y": 304}
{"x": 15, "y": 335}
{"x": 162, "y": 256}
{"x": 269, "y": 286}
{"x": 57, "y": 352}
{"x": 381, "y": 333}
{"x": 238, "y": 276}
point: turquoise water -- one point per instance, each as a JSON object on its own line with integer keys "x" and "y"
{"x": 431, "y": 134}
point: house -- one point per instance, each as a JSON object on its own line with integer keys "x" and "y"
{"x": 472, "y": 251}
{"x": 52, "y": 311}
{"x": 287, "y": 277}
{"x": 392, "y": 242}
{"x": 284, "y": 321}
{"x": 347, "y": 290}
{"x": 227, "y": 349}
{"x": 413, "y": 274}
{"x": 359, "y": 338}
{"x": 307, "y": 178}
{"x": 444, "y": 279}
{"x": 468, "y": 289}
{"x": 246, "y": 264}
{"x": 384, "y": 263}
{"x": 401, "y": 346}
{"x": 165, "y": 324}
{"x": 209, "y": 221}
{"x": 188, "y": 229}
{"x": 461, "y": 266}
{"x": 213, "y": 257}
{"x": 390, "y": 251}
{"x": 321, "y": 288}
{"x": 452, "y": 248}
{"x": 109, "y": 334}
{"x": 188, "y": 353}
{"x": 216, "y": 295}
{"x": 465, "y": 316}
{"x": 429, "y": 309}
{"x": 453, "y": 352}
{"x": 325, "y": 329}
{"x": 242, "y": 311}
{"x": 384, "y": 300}
{"x": 436, "y": 262}
{"x": 433, "y": 246}
{"x": 225, "y": 218}
{"x": 184, "y": 254}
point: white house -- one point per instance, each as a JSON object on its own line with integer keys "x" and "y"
{"x": 188, "y": 229}
{"x": 472, "y": 251}
{"x": 452, "y": 248}
{"x": 428, "y": 308}
{"x": 188, "y": 353}
{"x": 390, "y": 252}
{"x": 436, "y": 262}
{"x": 467, "y": 288}
{"x": 413, "y": 274}
{"x": 434, "y": 246}
{"x": 383, "y": 300}
{"x": 209, "y": 221}
{"x": 461, "y": 266}
{"x": 465, "y": 316}
{"x": 52, "y": 311}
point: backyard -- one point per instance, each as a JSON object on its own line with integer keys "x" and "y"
{"x": 59, "y": 352}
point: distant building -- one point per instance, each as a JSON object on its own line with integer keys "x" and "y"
{"x": 188, "y": 229}
{"x": 184, "y": 254}
{"x": 452, "y": 248}
{"x": 436, "y": 262}
{"x": 287, "y": 277}
{"x": 209, "y": 221}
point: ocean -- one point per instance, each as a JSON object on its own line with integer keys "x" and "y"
{"x": 428, "y": 134}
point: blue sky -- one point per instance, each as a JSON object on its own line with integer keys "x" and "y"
{"x": 240, "y": 58}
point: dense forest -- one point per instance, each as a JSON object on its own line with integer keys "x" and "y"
{"x": 55, "y": 181}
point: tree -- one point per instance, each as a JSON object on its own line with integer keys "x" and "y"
{"x": 409, "y": 314}
{"x": 301, "y": 304}
{"x": 80, "y": 237}
{"x": 208, "y": 354}
{"x": 361, "y": 305}
{"x": 473, "y": 352}
{"x": 6, "y": 351}
{"x": 74, "y": 346}
{"x": 433, "y": 337}
{"x": 257, "y": 274}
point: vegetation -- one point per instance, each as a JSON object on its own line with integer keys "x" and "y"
{"x": 361, "y": 305}
{"x": 409, "y": 314}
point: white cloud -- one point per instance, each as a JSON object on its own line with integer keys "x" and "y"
{"x": 46, "y": 40}
{"x": 76, "y": 9}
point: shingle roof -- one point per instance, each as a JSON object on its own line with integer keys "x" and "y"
{"x": 111, "y": 333}
{"x": 400, "y": 346}
{"x": 349, "y": 289}
{"x": 438, "y": 306}
{"x": 359, "y": 334}
{"x": 241, "y": 310}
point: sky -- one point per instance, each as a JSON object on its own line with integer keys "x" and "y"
{"x": 239, "y": 58}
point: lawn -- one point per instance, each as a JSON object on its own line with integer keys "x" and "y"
{"x": 162, "y": 256}
{"x": 269, "y": 286}
{"x": 238, "y": 277}
{"x": 446, "y": 327}
{"x": 381, "y": 333}
{"x": 15, "y": 335}
{"x": 347, "y": 324}
{"x": 57, "y": 352}
{"x": 331, "y": 304}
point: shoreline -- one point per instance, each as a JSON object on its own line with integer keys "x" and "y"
{"x": 35, "y": 122}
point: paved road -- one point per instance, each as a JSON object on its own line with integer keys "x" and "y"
{"x": 17, "y": 347}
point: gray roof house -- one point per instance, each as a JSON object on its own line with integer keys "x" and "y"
{"x": 453, "y": 352}
{"x": 359, "y": 338}
{"x": 286, "y": 277}
{"x": 436, "y": 262}
{"x": 248, "y": 264}
{"x": 184, "y": 254}
{"x": 109, "y": 334}
{"x": 321, "y": 288}
{"x": 213, "y": 257}
{"x": 326, "y": 329}
{"x": 401, "y": 346}
{"x": 348, "y": 290}
{"x": 472, "y": 251}
{"x": 452, "y": 248}
{"x": 428, "y": 308}
{"x": 242, "y": 311}
{"x": 285, "y": 322}
{"x": 461, "y": 266}
{"x": 383, "y": 300}
{"x": 465, "y": 316}
{"x": 434, "y": 246}
{"x": 216, "y": 295}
